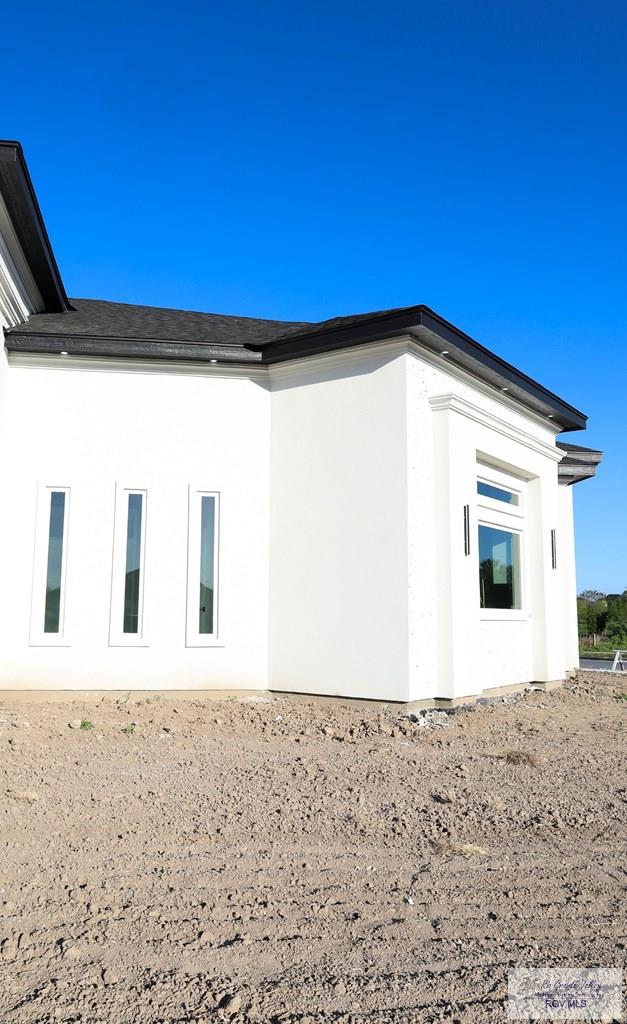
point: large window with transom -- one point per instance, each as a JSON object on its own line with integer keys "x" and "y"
{"x": 501, "y": 526}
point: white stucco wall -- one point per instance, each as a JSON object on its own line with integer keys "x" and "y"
{"x": 566, "y": 564}
{"x": 342, "y": 482}
{"x": 458, "y": 422}
{"x": 338, "y": 566}
{"x": 474, "y": 648}
{"x": 88, "y": 427}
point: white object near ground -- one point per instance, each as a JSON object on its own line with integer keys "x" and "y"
{"x": 371, "y": 507}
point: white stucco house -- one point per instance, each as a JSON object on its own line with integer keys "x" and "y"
{"x": 374, "y": 506}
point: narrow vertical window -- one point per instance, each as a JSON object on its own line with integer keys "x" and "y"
{"x": 133, "y": 563}
{"x": 54, "y": 572}
{"x": 47, "y": 623}
{"x": 207, "y": 566}
{"x": 126, "y": 626}
{"x": 202, "y": 569}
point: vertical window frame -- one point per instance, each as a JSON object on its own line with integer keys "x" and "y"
{"x": 117, "y": 636}
{"x": 37, "y": 635}
{"x": 193, "y": 636}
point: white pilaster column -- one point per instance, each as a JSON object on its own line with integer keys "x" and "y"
{"x": 457, "y": 585}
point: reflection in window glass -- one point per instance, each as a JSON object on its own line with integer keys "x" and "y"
{"x": 499, "y": 568}
{"x": 52, "y": 613}
{"x": 133, "y": 563}
{"x": 499, "y": 493}
{"x": 207, "y": 568}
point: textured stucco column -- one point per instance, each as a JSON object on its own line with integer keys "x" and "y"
{"x": 546, "y": 585}
{"x": 566, "y": 569}
{"x": 456, "y": 586}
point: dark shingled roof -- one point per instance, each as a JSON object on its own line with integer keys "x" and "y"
{"x": 96, "y": 318}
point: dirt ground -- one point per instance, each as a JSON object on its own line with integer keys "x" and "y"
{"x": 273, "y": 861}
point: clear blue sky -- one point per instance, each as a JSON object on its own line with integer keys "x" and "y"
{"x": 308, "y": 160}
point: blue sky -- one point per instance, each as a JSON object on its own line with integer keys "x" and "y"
{"x": 304, "y": 161}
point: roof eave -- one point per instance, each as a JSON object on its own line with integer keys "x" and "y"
{"x": 19, "y": 197}
{"x": 570, "y": 474}
{"x": 577, "y": 463}
{"x": 126, "y": 348}
{"x": 431, "y": 331}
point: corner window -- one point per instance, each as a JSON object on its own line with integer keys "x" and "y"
{"x": 126, "y": 627}
{"x": 50, "y": 562}
{"x": 499, "y": 568}
{"x": 202, "y": 568}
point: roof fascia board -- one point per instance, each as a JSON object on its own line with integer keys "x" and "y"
{"x": 577, "y": 463}
{"x": 495, "y": 370}
{"x": 23, "y": 209}
{"x": 83, "y": 345}
{"x": 570, "y": 474}
{"x": 436, "y": 335}
{"x": 19, "y": 294}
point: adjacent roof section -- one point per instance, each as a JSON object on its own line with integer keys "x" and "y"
{"x": 98, "y": 328}
{"x": 578, "y": 463}
{"x": 20, "y": 200}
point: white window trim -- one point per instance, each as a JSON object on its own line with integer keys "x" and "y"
{"x": 37, "y": 636}
{"x": 193, "y": 638}
{"x": 512, "y": 518}
{"x": 117, "y": 636}
{"x": 495, "y": 478}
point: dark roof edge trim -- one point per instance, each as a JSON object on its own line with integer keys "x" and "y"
{"x": 578, "y": 463}
{"x": 127, "y": 348}
{"x": 565, "y": 414}
{"x": 19, "y": 196}
{"x": 485, "y": 365}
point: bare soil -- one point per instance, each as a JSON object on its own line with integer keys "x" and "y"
{"x": 276, "y": 861}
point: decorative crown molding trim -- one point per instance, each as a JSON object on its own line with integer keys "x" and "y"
{"x": 454, "y": 403}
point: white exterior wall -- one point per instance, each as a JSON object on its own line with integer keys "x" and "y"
{"x": 477, "y": 649}
{"x": 374, "y": 455}
{"x": 88, "y": 427}
{"x": 342, "y": 482}
{"x": 339, "y": 573}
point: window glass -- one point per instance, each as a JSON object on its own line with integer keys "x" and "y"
{"x": 133, "y": 563}
{"x": 498, "y": 493}
{"x": 54, "y": 572}
{"x": 207, "y": 548}
{"x": 499, "y": 568}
